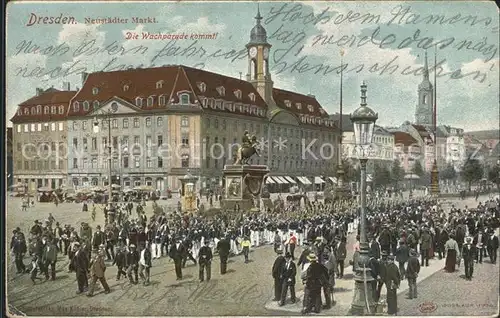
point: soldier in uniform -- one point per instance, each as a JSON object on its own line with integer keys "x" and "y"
{"x": 205, "y": 261}
{"x": 412, "y": 270}
{"x": 392, "y": 281}
{"x": 187, "y": 254}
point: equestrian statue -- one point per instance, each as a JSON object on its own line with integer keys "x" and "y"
{"x": 248, "y": 148}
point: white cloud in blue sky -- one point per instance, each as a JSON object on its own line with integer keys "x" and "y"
{"x": 465, "y": 102}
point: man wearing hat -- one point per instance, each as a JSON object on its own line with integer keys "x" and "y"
{"x": 133, "y": 264}
{"x": 341, "y": 254}
{"x": 382, "y": 272}
{"x": 98, "y": 238}
{"x": 49, "y": 259}
{"x": 480, "y": 242}
{"x": 120, "y": 260}
{"x": 492, "y": 246}
{"x": 412, "y": 270}
{"x": 288, "y": 273}
{"x": 223, "y": 246}
{"x": 176, "y": 253}
{"x": 145, "y": 264}
{"x": 81, "y": 266}
{"x": 205, "y": 261}
{"x": 312, "y": 277}
{"x": 468, "y": 255}
{"x": 392, "y": 281}
{"x": 278, "y": 266}
{"x": 97, "y": 270}
{"x": 425, "y": 245}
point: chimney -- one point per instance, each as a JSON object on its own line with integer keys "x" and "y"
{"x": 84, "y": 77}
{"x": 39, "y": 91}
{"x": 66, "y": 86}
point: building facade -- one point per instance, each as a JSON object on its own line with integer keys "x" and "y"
{"x": 406, "y": 151}
{"x": 40, "y": 139}
{"x": 171, "y": 120}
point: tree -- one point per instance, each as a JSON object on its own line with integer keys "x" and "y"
{"x": 472, "y": 171}
{"x": 351, "y": 173}
{"x": 397, "y": 173}
{"x": 449, "y": 173}
{"x": 417, "y": 168}
{"x": 381, "y": 175}
{"x": 494, "y": 175}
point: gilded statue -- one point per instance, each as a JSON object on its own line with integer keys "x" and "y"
{"x": 248, "y": 148}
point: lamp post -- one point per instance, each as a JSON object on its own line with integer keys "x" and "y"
{"x": 363, "y": 120}
{"x": 107, "y": 117}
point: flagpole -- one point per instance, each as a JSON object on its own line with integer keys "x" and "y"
{"x": 340, "y": 168}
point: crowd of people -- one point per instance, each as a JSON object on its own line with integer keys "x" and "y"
{"x": 411, "y": 233}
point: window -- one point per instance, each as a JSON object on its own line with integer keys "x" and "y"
{"x": 46, "y": 126}
{"x": 185, "y": 161}
{"x": 160, "y": 140}
{"x": 138, "y": 101}
{"x": 39, "y": 127}
{"x": 310, "y": 108}
{"x": 84, "y": 143}
{"x": 84, "y": 125}
{"x": 125, "y": 88}
{"x": 221, "y": 90}
{"x": 114, "y": 123}
{"x": 84, "y": 163}
{"x": 150, "y": 101}
{"x": 148, "y": 121}
{"x": 95, "y": 104}
{"x": 137, "y": 140}
{"x": 149, "y": 142}
{"x": 288, "y": 103}
{"x": 149, "y": 163}
{"x": 202, "y": 87}
{"x": 299, "y": 105}
{"x": 86, "y": 106}
{"x": 53, "y": 127}
{"x": 125, "y": 141}
{"x": 105, "y": 142}
{"x": 125, "y": 122}
{"x": 237, "y": 93}
{"x": 252, "y": 97}
{"x": 159, "y": 84}
{"x": 75, "y": 163}
{"x": 46, "y": 109}
{"x": 33, "y": 110}
{"x": 216, "y": 123}
{"x": 184, "y": 99}
{"x": 185, "y": 140}
{"x": 53, "y": 110}
{"x": 136, "y": 122}
{"x": 161, "y": 100}
{"x": 61, "y": 110}
{"x": 159, "y": 121}
{"x": 224, "y": 124}
{"x": 95, "y": 91}
{"x": 137, "y": 161}
{"x": 26, "y": 128}
{"x": 93, "y": 163}
{"x": 125, "y": 162}
{"x": 115, "y": 142}
{"x": 94, "y": 143}
{"x": 160, "y": 162}
{"x": 184, "y": 121}
{"x": 18, "y": 128}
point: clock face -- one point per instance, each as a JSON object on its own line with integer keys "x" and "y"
{"x": 266, "y": 53}
{"x": 253, "y": 52}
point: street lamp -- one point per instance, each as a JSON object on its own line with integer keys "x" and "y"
{"x": 363, "y": 120}
{"x": 107, "y": 118}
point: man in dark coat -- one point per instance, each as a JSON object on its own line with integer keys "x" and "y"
{"x": 425, "y": 245}
{"x": 176, "y": 252}
{"x": 120, "y": 260}
{"x": 278, "y": 266}
{"x": 385, "y": 240}
{"x": 133, "y": 264}
{"x": 223, "y": 246}
{"x": 81, "y": 266}
{"x": 99, "y": 238}
{"x": 469, "y": 256}
{"x": 412, "y": 270}
{"x": 374, "y": 249}
{"x": 382, "y": 268}
{"x": 288, "y": 272}
{"x": 49, "y": 259}
{"x": 314, "y": 278}
{"x": 402, "y": 255}
{"x": 480, "y": 243}
{"x": 19, "y": 248}
{"x": 492, "y": 246}
{"x": 205, "y": 261}
{"x": 340, "y": 255}
{"x": 392, "y": 281}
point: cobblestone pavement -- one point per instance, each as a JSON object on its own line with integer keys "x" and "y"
{"x": 244, "y": 290}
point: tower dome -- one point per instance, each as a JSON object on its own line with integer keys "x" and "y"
{"x": 258, "y": 35}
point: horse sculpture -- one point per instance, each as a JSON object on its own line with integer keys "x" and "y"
{"x": 247, "y": 150}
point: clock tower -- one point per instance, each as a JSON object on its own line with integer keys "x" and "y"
{"x": 258, "y": 60}
{"x": 425, "y": 105}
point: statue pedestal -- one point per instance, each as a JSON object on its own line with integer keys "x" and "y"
{"x": 243, "y": 184}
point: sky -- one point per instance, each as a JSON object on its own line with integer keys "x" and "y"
{"x": 383, "y": 44}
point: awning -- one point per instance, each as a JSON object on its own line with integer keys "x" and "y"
{"x": 277, "y": 180}
{"x": 318, "y": 180}
{"x": 290, "y": 179}
{"x": 333, "y": 179}
{"x": 282, "y": 180}
{"x": 269, "y": 180}
{"x": 304, "y": 180}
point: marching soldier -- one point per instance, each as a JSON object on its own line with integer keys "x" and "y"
{"x": 205, "y": 261}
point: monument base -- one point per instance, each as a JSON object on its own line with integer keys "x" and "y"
{"x": 230, "y": 204}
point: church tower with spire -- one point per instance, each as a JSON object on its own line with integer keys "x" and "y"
{"x": 425, "y": 105}
{"x": 258, "y": 60}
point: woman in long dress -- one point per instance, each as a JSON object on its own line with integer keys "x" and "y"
{"x": 452, "y": 254}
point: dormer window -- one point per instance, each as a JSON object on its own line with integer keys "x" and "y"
{"x": 185, "y": 99}
{"x": 95, "y": 104}
{"x": 212, "y": 103}
{"x": 38, "y": 109}
{"x": 288, "y": 103}
{"x": 61, "y": 110}
{"x": 150, "y": 101}
{"x": 237, "y": 93}
{"x": 33, "y": 110}
{"x": 252, "y": 97}
{"x": 95, "y": 91}
{"x": 322, "y": 111}
{"x": 162, "y": 100}
{"x": 53, "y": 110}
{"x": 26, "y": 111}
{"x": 125, "y": 88}
{"x": 76, "y": 107}
{"x": 138, "y": 101}
{"x": 46, "y": 110}
{"x": 298, "y": 105}
{"x": 202, "y": 87}
{"x": 86, "y": 106}
{"x": 310, "y": 108}
{"x": 221, "y": 90}
{"x": 159, "y": 84}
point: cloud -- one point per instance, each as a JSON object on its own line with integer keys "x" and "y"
{"x": 76, "y": 34}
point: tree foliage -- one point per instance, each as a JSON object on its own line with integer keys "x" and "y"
{"x": 448, "y": 173}
{"x": 494, "y": 175}
{"x": 472, "y": 171}
{"x": 351, "y": 172}
{"x": 418, "y": 169}
{"x": 397, "y": 173}
{"x": 381, "y": 175}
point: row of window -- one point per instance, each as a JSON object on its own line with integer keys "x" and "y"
{"x": 40, "y": 127}
{"x": 39, "y": 164}
{"x": 125, "y": 162}
{"x": 37, "y": 110}
{"x": 139, "y": 102}
{"x": 125, "y": 123}
{"x": 123, "y": 142}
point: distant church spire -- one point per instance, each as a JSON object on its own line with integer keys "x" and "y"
{"x": 258, "y": 17}
{"x": 426, "y": 68}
